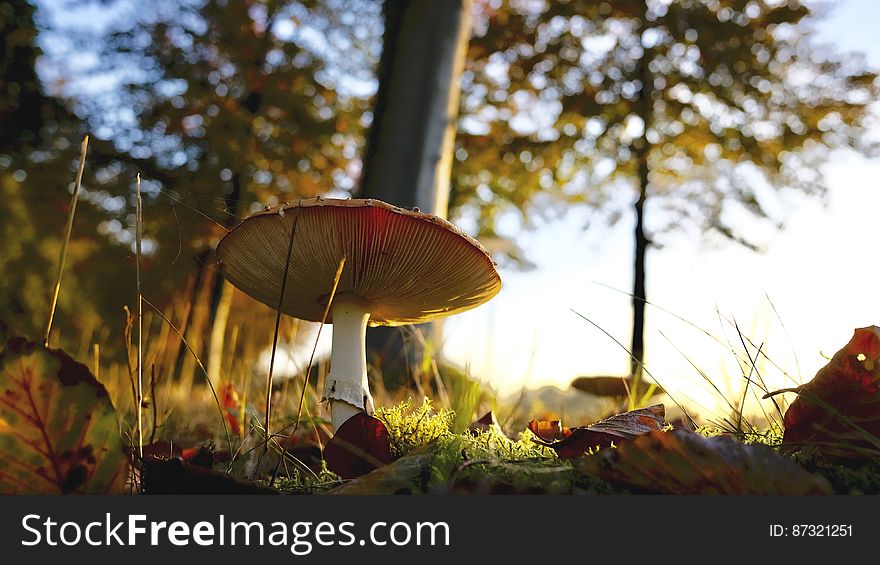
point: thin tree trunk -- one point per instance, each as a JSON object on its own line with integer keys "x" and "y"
{"x": 408, "y": 160}
{"x": 222, "y": 292}
{"x": 637, "y": 346}
{"x": 642, "y": 150}
{"x": 218, "y": 331}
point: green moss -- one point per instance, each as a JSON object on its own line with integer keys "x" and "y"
{"x": 301, "y": 482}
{"x": 771, "y": 437}
{"x": 433, "y": 459}
{"x": 413, "y": 428}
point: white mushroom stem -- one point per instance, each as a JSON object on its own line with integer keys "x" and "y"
{"x": 346, "y": 387}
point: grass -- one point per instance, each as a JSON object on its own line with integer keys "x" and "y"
{"x": 430, "y": 436}
{"x": 62, "y": 256}
{"x": 438, "y": 453}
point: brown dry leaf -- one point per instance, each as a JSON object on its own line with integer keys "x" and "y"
{"x": 488, "y": 422}
{"x": 162, "y": 449}
{"x": 549, "y": 430}
{"x": 601, "y": 434}
{"x": 838, "y": 412}
{"x": 682, "y": 462}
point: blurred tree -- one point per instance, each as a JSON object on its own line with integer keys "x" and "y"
{"x": 697, "y": 111}
{"x": 39, "y": 146}
{"x": 23, "y": 108}
{"x": 408, "y": 157}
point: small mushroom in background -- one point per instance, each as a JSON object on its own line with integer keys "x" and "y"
{"x": 608, "y": 387}
{"x": 401, "y": 267}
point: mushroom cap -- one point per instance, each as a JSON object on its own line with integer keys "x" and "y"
{"x": 402, "y": 266}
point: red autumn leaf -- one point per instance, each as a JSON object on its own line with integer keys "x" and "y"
{"x": 614, "y": 429}
{"x": 549, "y": 430}
{"x": 838, "y": 412}
{"x": 231, "y": 403}
{"x": 360, "y": 445}
{"x": 682, "y": 462}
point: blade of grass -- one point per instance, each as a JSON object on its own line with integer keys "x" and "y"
{"x": 138, "y": 231}
{"x": 62, "y": 258}
{"x": 268, "y": 400}
{"x": 201, "y": 366}
{"x": 797, "y": 363}
{"x": 305, "y": 386}
{"x": 755, "y": 370}
{"x": 96, "y": 355}
{"x": 645, "y": 369}
{"x": 708, "y": 334}
{"x": 702, "y": 373}
{"x": 154, "y": 403}
{"x": 126, "y": 331}
{"x": 742, "y": 403}
{"x": 718, "y": 340}
{"x": 724, "y": 319}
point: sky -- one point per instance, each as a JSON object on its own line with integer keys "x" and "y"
{"x": 799, "y": 301}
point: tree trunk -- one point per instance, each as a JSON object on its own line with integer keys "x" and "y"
{"x": 409, "y": 153}
{"x": 222, "y": 292}
{"x": 642, "y": 150}
{"x": 637, "y": 344}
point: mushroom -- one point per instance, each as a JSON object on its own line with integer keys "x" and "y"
{"x": 401, "y": 267}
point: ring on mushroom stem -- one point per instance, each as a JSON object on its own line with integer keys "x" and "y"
{"x": 403, "y": 267}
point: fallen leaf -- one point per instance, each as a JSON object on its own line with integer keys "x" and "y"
{"x": 487, "y": 422}
{"x": 493, "y": 476}
{"x": 682, "y": 462}
{"x": 601, "y": 434}
{"x": 549, "y": 430}
{"x": 58, "y": 428}
{"x": 204, "y": 455}
{"x": 838, "y": 412}
{"x": 231, "y": 403}
{"x": 407, "y": 475}
{"x": 174, "y": 476}
{"x": 161, "y": 449}
{"x": 360, "y": 445}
